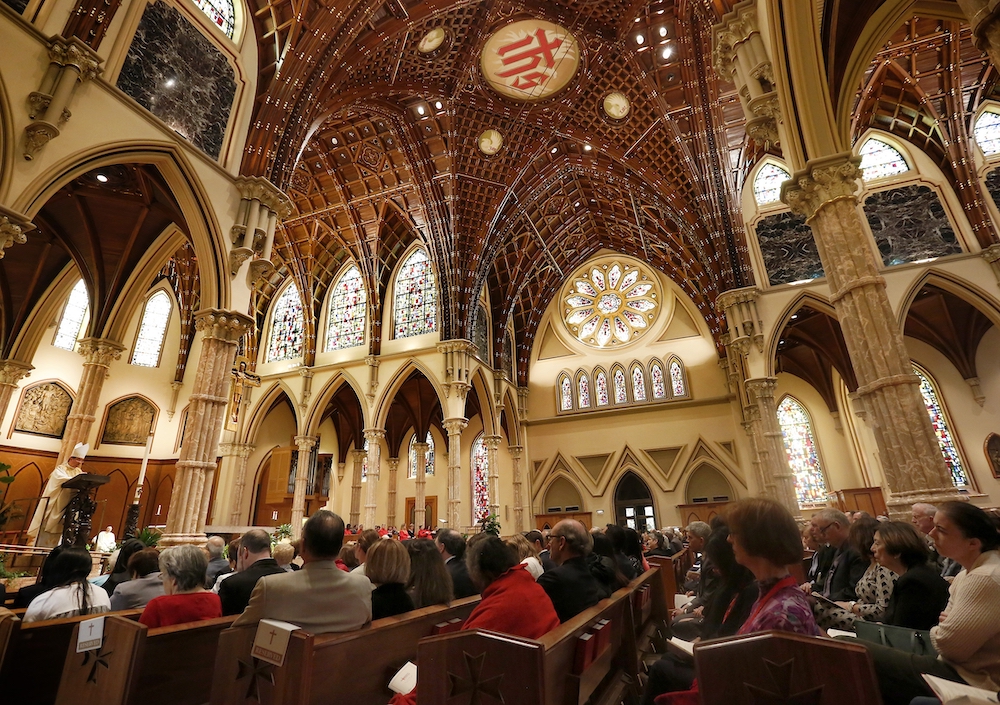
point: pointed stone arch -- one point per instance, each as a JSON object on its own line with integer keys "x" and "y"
{"x": 633, "y": 498}
{"x": 562, "y": 482}
{"x": 483, "y": 387}
{"x": 278, "y": 393}
{"x": 314, "y": 417}
{"x": 704, "y": 452}
{"x": 701, "y": 479}
{"x": 391, "y": 388}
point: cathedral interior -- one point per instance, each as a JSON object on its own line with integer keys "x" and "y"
{"x": 426, "y": 261}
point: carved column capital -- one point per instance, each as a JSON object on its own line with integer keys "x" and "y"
{"x": 13, "y": 227}
{"x": 374, "y": 435}
{"x": 992, "y": 256}
{"x": 455, "y": 426}
{"x": 823, "y": 181}
{"x": 100, "y": 351}
{"x": 358, "y": 455}
{"x": 228, "y": 326}
{"x": 491, "y": 442}
{"x": 260, "y": 189}
{"x": 419, "y": 448}
{"x": 515, "y": 451}
{"x": 762, "y": 387}
{"x": 13, "y": 371}
{"x": 306, "y": 443}
{"x": 743, "y": 322}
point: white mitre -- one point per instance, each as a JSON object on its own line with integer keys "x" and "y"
{"x": 80, "y": 451}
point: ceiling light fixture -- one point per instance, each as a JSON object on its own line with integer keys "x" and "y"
{"x": 102, "y": 178}
{"x": 663, "y": 31}
{"x": 667, "y": 51}
{"x": 639, "y": 39}
{"x": 420, "y": 110}
{"x": 587, "y": 148}
{"x": 439, "y": 105}
{"x": 555, "y": 149}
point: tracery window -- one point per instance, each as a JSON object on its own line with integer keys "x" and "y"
{"x": 610, "y": 304}
{"x": 677, "y": 379}
{"x": 287, "y": 326}
{"x": 415, "y": 306}
{"x": 364, "y": 464}
{"x": 76, "y": 316}
{"x": 638, "y": 384}
{"x": 945, "y": 440}
{"x": 656, "y": 380}
{"x": 796, "y": 431}
{"x": 880, "y": 159}
{"x": 583, "y": 391}
{"x": 480, "y": 481}
{"x": 348, "y": 312}
{"x": 565, "y": 393}
{"x": 767, "y": 184}
{"x": 621, "y": 393}
{"x": 601, "y": 387}
{"x": 221, "y": 12}
{"x": 987, "y": 132}
{"x": 152, "y": 331}
{"x": 428, "y": 460}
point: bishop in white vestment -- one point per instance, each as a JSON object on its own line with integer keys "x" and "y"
{"x": 47, "y": 524}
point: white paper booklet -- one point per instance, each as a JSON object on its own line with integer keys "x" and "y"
{"x": 681, "y": 601}
{"x": 832, "y": 633}
{"x": 959, "y": 693}
{"x": 405, "y": 679}
{"x": 685, "y": 646}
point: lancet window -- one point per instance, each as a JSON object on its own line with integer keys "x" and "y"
{"x": 287, "y": 326}
{"x": 415, "y": 304}
{"x": 949, "y": 449}
{"x": 803, "y": 458}
{"x": 348, "y": 312}
{"x": 480, "y": 481}
{"x": 767, "y": 184}
{"x": 76, "y": 316}
{"x": 152, "y": 330}
{"x": 428, "y": 461}
{"x": 880, "y": 159}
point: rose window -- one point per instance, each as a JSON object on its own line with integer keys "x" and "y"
{"x": 610, "y": 304}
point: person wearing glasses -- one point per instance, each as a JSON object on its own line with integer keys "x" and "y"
{"x": 570, "y": 585}
{"x": 833, "y": 527}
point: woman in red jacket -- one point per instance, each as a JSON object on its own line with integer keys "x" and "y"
{"x": 186, "y": 600}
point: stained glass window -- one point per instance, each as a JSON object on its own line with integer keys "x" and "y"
{"x": 429, "y": 460}
{"x": 348, "y": 310}
{"x": 565, "y": 393}
{"x": 583, "y": 391}
{"x": 601, "y": 387}
{"x": 220, "y": 12}
{"x": 480, "y": 481}
{"x": 75, "y": 317}
{"x": 767, "y": 184}
{"x": 638, "y": 384}
{"x": 152, "y": 330}
{"x": 611, "y": 304}
{"x": 677, "y": 379}
{"x": 481, "y": 334}
{"x": 364, "y": 464}
{"x": 415, "y": 309}
{"x": 880, "y": 159}
{"x": 656, "y": 377}
{"x": 796, "y": 431}
{"x": 621, "y": 393}
{"x": 987, "y": 132}
{"x": 287, "y": 324}
{"x": 948, "y": 448}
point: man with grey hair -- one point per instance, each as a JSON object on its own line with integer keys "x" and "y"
{"x": 833, "y": 526}
{"x": 253, "y": 562}
{"x": 217, "y": 563}
{"x": 687, "y": 622}
{"x": 570, "y": 585}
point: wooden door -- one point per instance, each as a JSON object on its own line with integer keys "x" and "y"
{"x": 430, "y": 511}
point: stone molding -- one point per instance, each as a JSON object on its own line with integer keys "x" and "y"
{"x": 100, "y": 351}
{"x": 821, "y": 182}
{"x": 219, "y": 324}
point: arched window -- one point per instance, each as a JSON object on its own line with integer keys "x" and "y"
{"x": 656, "y": 380}
{"x": 638, "y": 383}
{"x": 621, "y": 390}
{"x": 945, "y": 440}
{"x": 796, "y": 431}
{"x": 348, "y": 311}
{"x": 987, "y": 132}
{"x": 287, "y": 325}
{"x": 76, "y": 316}
{"x": 880, "y": 159}
{"x": 583, "y": 390}
{"x": 221, "y": 12}
{"x": 415, "y": 308}
{"x": 152, "y": 330}
{"x": 565, "y": 393}
{"x": 767, "y": 184}
{"x": 601, "y": 387}
{"x": 677, "y": 386}
{"x": 480, "y": 481}
{"x": 364, "y": 464}
{"x": 428, "y": 461}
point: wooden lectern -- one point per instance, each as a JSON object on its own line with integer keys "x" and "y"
{"x": 80, "y": 510}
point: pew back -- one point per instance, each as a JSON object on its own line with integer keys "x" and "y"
{"x": 102, "y": 675}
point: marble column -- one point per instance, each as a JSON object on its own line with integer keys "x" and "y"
{"x": 420, "y": 500}
{"x": 11, "y": 373}
{"x": 492, "y": 443}
{"x": 98, "y": 354}
{"x": 390, "y": 519}
{"x": 454, "y": 427}
{"x": 912, "y": 463}
{"x": 234, "y": 464}
{"x": 771, "y": 446}
{"x": 515, "y": 459}
{"x": 221, "y": 331}
{"x": 305, "y": 445}
{"x": 374, "y": 437}
{"x": 358, "y": 457}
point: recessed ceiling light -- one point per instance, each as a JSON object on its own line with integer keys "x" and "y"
{"x": 334, "y": 141}
{"x": 639, "y": 39}
{"x": 420, "y": 110}
{"x": 555, "y": 149}
{"x": 170, "y": 83}
{"x": 663, "y": 31}
{"x": 667, "y": 51}
{"x": 439, "y": 105}
{"x": 587, "y": 148}
{"x": 576, "y": 205}
{"x": 102, "y": 178}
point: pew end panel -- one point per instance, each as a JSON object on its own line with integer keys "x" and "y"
{"x": 102, "y": 675}
{"x": 9, "y": 624}
{"x": 241, "y": 678}
{"x": 777, "y": 666}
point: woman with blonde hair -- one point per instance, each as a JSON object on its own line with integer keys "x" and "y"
{"x": 388, "y": 567}
{"x": 526, "y": 553}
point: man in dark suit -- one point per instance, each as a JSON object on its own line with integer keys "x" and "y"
{"x": 253, "y": 562}
{"x": 833, "y": 526}
{"x": 570, "y": 585}
{"x": 538, "y": 540}
{"x": 452, "y": 547}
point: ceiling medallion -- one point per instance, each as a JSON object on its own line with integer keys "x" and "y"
{"x": 432, "y": 41}
{"x": 616, "y": 105}
{"x": 610, "y": 304}
{"x": 530, "y": 59}
{"x": 490, "y": 142}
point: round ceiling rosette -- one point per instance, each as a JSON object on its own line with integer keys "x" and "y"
{"x": 611, "y": 304}
{"x": 530, "y": 60}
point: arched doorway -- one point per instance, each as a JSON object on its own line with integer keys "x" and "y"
{"x": 634, "y": 504}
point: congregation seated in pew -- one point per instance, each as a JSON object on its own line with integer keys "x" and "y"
{"x": 185, "y": 598}
{"x": 388, "y": 569}
{"x": 920, "y": 594}
{"x": 71, "y": 594}
{"x": 429, "y": 583}
{"x": 145, "y": 582}
{"x": 570, "y": 585}
{"x": 253, "y": 562}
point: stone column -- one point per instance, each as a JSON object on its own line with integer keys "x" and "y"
{"x": 358, "y": 456}
{"x": 992, "y": 256}
{"x": 305, "y": 445}
{"x": 98, "y": 354}
{"x": 454, "y": 427}
{"x": 390, "y": 519}
{"x": 374, "y": 437}
{"x": 771, "y": 449}
{"x": 13, "y": 226}
{"x": 984, "y": 16}
{"x": 262, "y": 205}
{"x": 420, "y": 501}
{"x": 221, "y": 331}
{"x": 515, "y": 458}
{"x": 341, "y": 469}
{"x": 492, "y": 443}
{"x": 11, "y": 373}
{"x": 234, "y": 464}
{"x": 911, "y": 458}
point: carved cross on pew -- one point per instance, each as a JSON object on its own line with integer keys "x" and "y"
{"x": 474, "y": 685}
{"x": 781, "y": 677}
{"x": 99, "y": 659}
{"x": 258, "y": 670}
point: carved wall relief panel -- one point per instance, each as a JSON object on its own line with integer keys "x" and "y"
{"x": 43, "y": 409}
{"x": 129, "y": 422}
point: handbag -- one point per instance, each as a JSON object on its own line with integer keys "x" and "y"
{"x": 913, "y": 641}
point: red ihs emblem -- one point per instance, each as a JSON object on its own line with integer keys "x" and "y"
{"x": 524, "y": 57}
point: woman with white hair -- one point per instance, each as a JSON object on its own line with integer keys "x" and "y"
{"x": 186, "y": 600}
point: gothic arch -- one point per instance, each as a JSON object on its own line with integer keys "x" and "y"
{"x": 483, "y": 387}
{"x": 263, "y": 407}
{"x": 7, "y": 141}
{"x": 557, "y": 473}
{"x": 955, "y": 285}
{"x": 635, "y": 477}
{"x": 28, "y": 482}
{"x": 314, "y": 417}
{"x": 707, "y": 466}
{"x": 806, "y": 298}
{"x": 397, "y": 380}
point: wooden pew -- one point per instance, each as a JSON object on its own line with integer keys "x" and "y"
{"x": 546, "y": 671}
{"x": 31, "y": 671}
{"x": 351, "y": 667}
{"x": 775, "y": 666}
{"x": 9, "y": 622}
{"x": 101, "y": 675}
